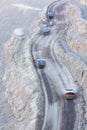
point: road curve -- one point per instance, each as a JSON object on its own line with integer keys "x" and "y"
{"x": 54, "y": 80}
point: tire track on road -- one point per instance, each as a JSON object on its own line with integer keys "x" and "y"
{"x": 69, "y": 107}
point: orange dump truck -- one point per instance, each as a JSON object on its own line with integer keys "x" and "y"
{"x": 70, "y": 93}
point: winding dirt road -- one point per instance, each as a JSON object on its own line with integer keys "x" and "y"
{"x": 60, "y": 114}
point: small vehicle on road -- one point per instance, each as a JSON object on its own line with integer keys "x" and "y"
{"x": 46, "y": 30}
{"x": 41, "y": 63}
{"x": 50, "y": 15}
{"x": 70, "y": 94}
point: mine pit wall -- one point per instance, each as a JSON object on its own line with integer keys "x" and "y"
{"x": 76, "y": 40}
{"x": 23, "y": 99}
{"x": 77, "y": 32}
{"x": 22, "y": 84}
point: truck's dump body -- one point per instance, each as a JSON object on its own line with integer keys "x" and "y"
{"x": 70, "y": 94}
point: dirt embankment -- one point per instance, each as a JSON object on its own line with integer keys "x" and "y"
{"x": 22, "y": 84}
{"x": 23, "y": 88}
{"x": 76, "y": 41}
{"x": 77, "y": 33}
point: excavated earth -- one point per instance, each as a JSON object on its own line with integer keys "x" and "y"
{"x": 23, "y": 89}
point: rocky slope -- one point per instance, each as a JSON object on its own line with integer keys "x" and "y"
{"x": 76, "y": 35}
{"x": 76, "y": 40}
{"x": 76, "y": 58}
{"x": 22, "y": 84}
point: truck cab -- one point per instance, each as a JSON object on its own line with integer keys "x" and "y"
{"x": 41, "y": 63}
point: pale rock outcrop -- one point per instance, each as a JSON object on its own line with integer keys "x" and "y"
{"x": 84, "y": 2}
{"x": 77, "y": 32}
{"x": 23, "y": 88}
